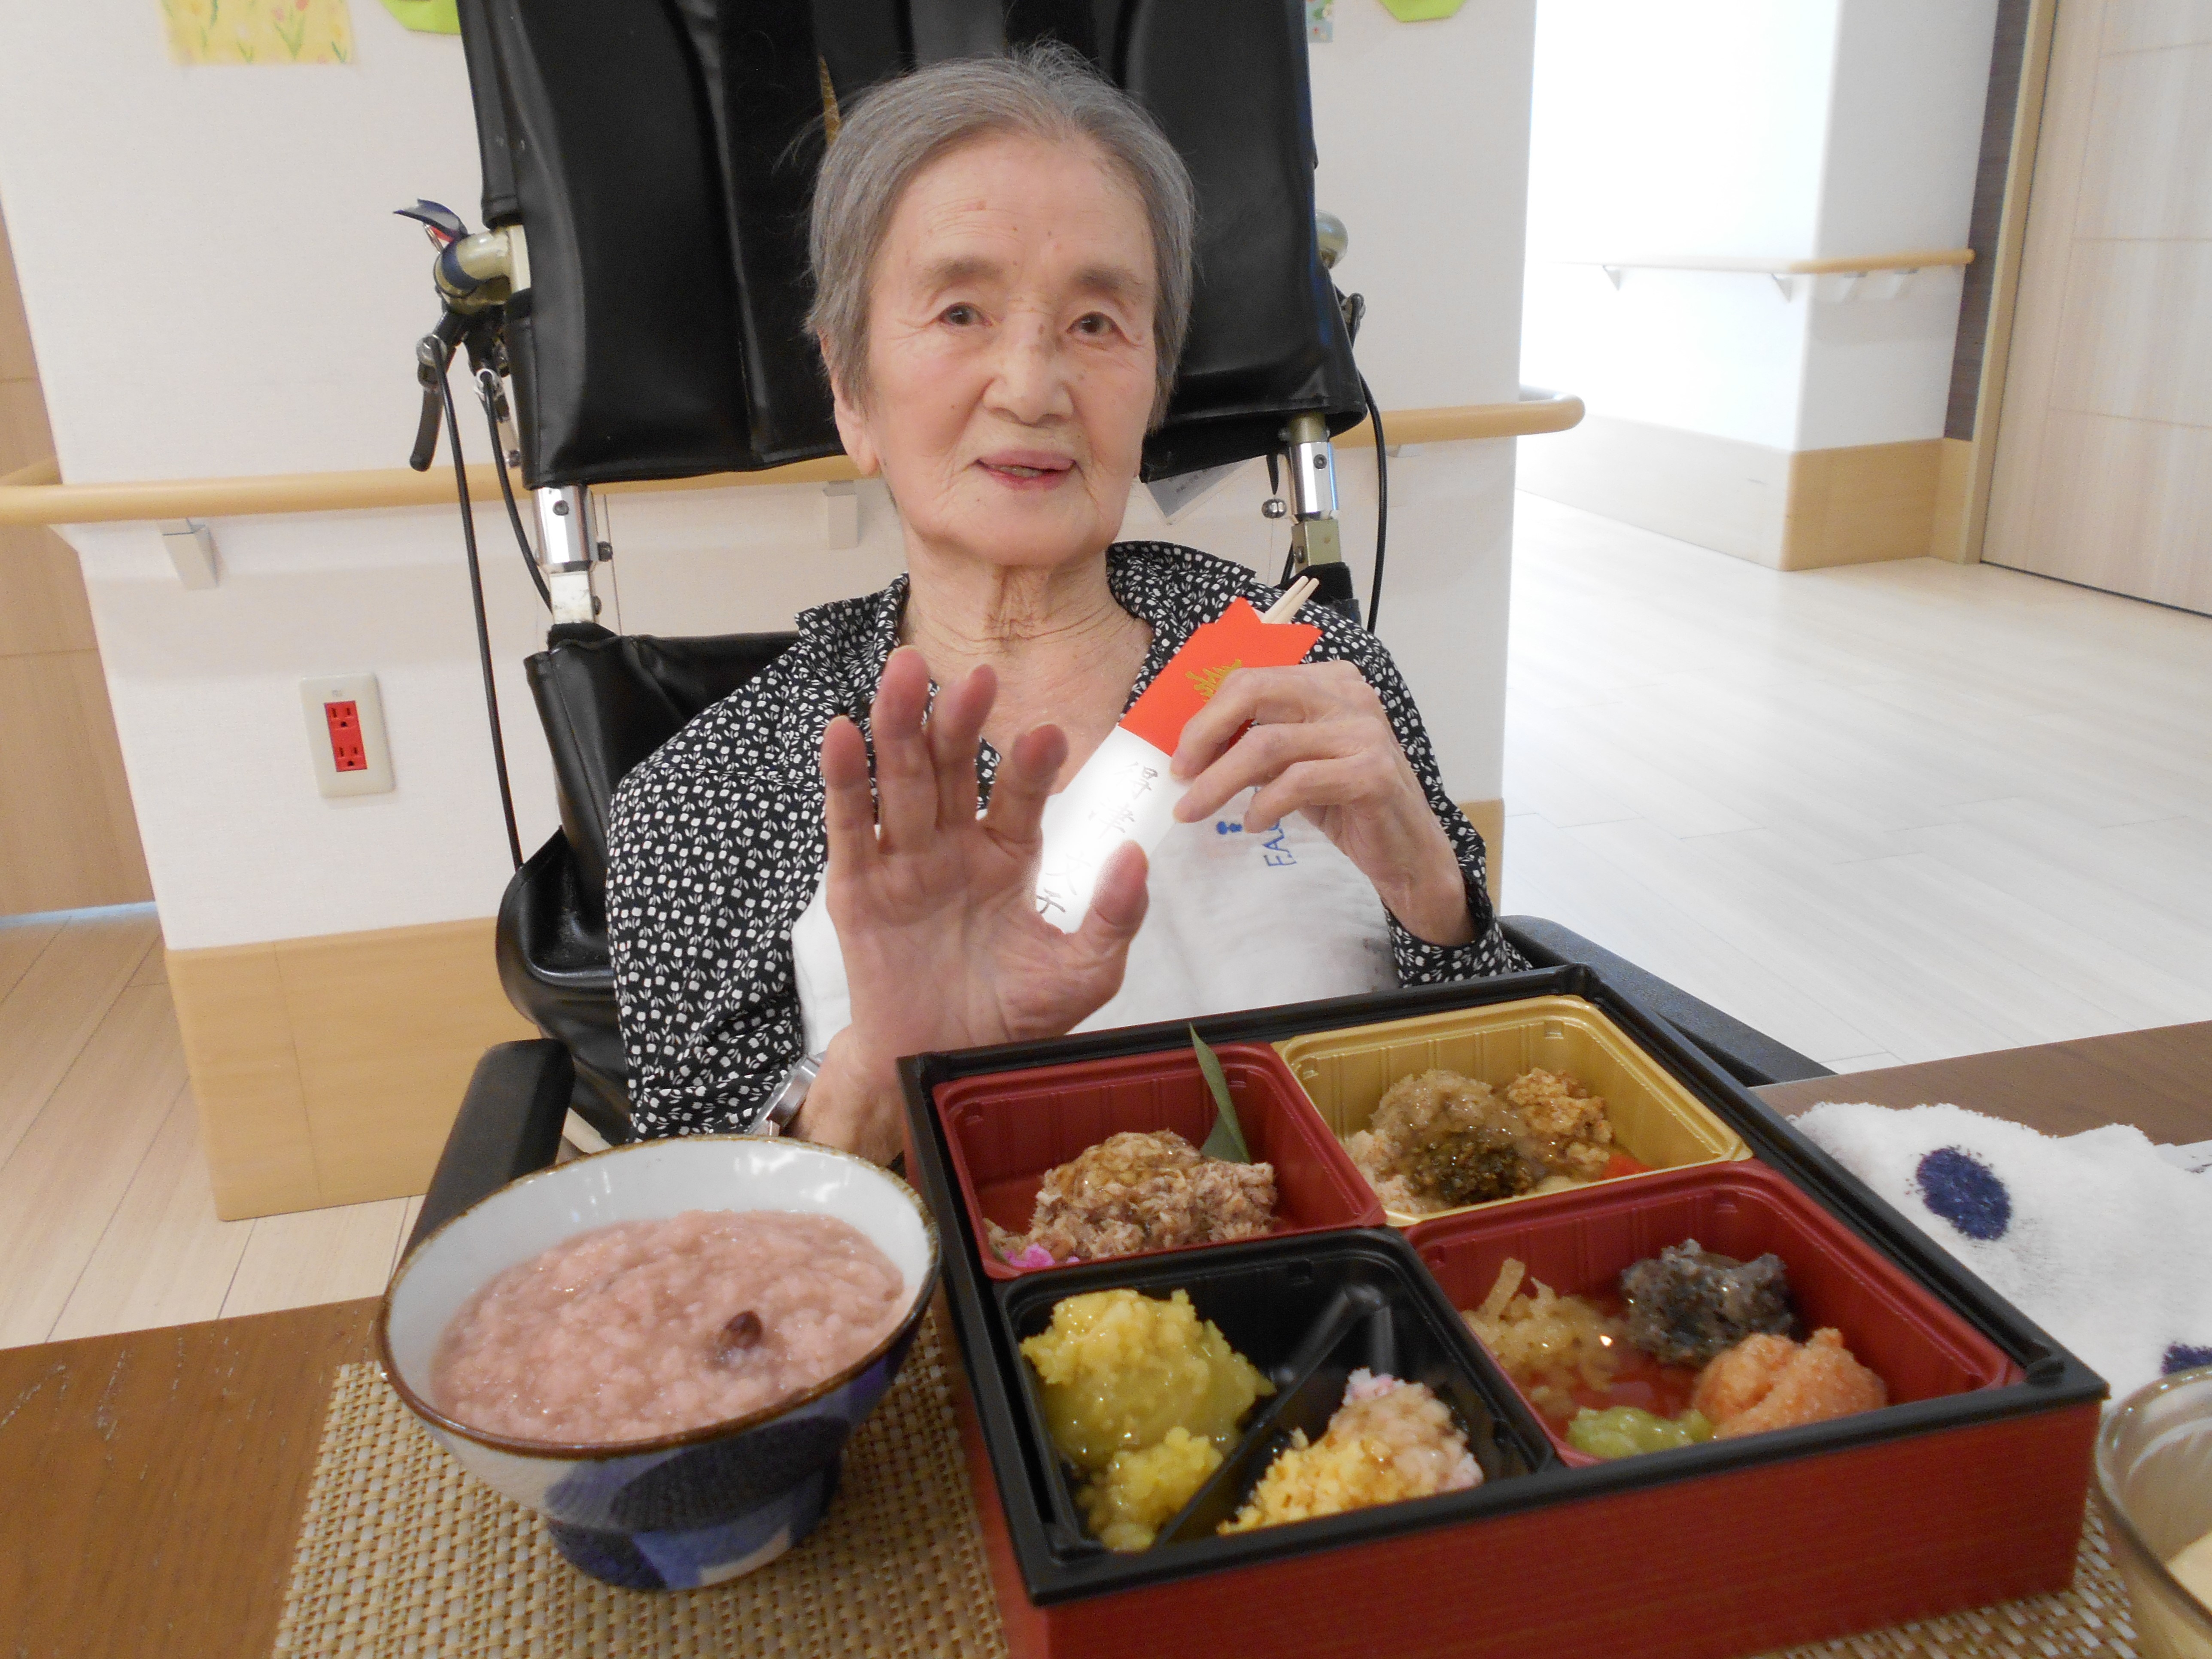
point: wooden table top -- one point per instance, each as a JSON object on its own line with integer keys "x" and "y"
{"x": 151, "y": 1484}
{"x": 2158, "y": 1080}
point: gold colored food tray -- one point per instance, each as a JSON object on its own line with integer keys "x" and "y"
{"x": 402, "y": 1552}
{"x": 1655, "y": 1119}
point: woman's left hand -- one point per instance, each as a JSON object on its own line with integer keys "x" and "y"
{"x": 1321, "y": 744}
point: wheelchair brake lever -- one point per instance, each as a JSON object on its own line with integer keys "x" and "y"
{"x": 426, "y": 433}
{"x": 434, "y": 353}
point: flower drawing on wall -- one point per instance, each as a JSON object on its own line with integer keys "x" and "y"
{"x": 258, "y": 31}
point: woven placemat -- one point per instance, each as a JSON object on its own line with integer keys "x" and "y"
{"x": 402, "y": 1551}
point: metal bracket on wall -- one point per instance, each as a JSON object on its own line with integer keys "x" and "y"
{"x": 191, "y": 547}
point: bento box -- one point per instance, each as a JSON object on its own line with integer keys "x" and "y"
{"x": 1655, "y": 1119}
{"x": 1003, "y": 1132}
{"x": 1968, "y": 1489}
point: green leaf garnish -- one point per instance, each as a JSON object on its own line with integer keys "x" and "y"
{"x": 1227, "y": 1140}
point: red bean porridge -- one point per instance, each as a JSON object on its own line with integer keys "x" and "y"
{"x": 649, "y": 1327}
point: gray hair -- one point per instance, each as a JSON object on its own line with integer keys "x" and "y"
{"x": 900, "y": 126}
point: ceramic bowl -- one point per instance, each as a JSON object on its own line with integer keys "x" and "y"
{"x": 2155, "y": 1484}
{"x": 713, "y": 1501}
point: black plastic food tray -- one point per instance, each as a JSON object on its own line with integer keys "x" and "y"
{"x": 1306, "y": 1310}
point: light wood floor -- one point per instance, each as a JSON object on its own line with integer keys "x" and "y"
{"x": 107, "y": 1222}
{"x": 1885, "y": 813}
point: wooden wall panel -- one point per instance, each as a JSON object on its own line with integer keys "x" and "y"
{"x": 246, "y": 1079}
{"x": 24, "y": 436}
{"x": 1860, "y": 505}
{"x": 42, "y": 603}
{"x": 16, "y": 363}
{"x": 67, "y": 836}
{"x": 327, "y": 1071}
{"x": 1788, "y": 510}
{"x": 1720, "y": 493}
{"x": 1948, "y": 536}
{"x": 388, "y": 1025}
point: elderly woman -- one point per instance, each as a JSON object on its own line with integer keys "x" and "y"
{"x": 1002, "y": 249}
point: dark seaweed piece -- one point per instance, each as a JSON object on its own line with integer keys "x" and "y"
{"x": 1469, "y": 1166}
{"x": 1686, "y": 1305}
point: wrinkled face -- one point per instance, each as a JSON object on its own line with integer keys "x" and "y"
{"x": 1010, "y": 358}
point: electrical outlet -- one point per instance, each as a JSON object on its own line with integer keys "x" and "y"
{"x": 345, "y": 735}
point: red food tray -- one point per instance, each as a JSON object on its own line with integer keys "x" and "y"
{"x": 1004, "y": 1130}
{"x": 1731, "y": 1564}
{"x": 1578, "y": 1243}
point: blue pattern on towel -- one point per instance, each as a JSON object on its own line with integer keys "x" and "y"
{"x": 1966, "y": 1191}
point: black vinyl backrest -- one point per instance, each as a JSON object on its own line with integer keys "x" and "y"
{"x": 608, "y": 701}
{"x": 661, "y": 154}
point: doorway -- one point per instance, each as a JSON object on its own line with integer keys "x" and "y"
{"x": 2104, "y": 464}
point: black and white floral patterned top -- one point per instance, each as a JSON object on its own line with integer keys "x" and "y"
{"x": 715, "y": 844}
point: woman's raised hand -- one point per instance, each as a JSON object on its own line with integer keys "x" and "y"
{"x": 935, "y": 907}
{"x": 1321, "y": 744}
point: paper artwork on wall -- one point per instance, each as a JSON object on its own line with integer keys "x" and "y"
{"x": 1321, "y": 20}
{"x": 259, "y": 31}
{"x": 428, "y": 16}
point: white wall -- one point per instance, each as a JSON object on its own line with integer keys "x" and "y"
{"x": 1814, "y": 128}
{"x": 215, "y": 287}
{"x": 1905, "y": 129}
{"x": 1423, "y": 131}
{"x": 1697, "y": 127}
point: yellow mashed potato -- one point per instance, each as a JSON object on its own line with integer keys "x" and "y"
{"x": 1143, "y": 1397}
{"x": 1141, "y": 1491}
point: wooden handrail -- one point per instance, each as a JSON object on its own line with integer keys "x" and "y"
{"x": 1923, "y": 259}
{"x": 1550, "y": 411}
{"x": 34, "y": 495}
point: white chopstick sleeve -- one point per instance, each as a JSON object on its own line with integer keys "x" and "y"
{"x": 1123, "y": 792}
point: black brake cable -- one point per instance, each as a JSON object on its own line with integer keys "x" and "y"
{"x": 1382, "y": 500}
{"x": 507, "y": 493}
{"x": 484, "y": 629}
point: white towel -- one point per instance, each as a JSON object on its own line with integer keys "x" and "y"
{"x": 2102, "y": 1238}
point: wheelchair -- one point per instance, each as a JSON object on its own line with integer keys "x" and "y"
{"x": 670, "y": 152}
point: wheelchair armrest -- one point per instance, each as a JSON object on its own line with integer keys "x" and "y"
{"x": 509, "y": 1125}
{"x": 1750, "y": 1057}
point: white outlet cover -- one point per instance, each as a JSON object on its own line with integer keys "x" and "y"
{"x": 360, "y": 690}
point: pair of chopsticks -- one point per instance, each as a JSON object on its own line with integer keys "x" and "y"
{"x": 1293, "y": 600}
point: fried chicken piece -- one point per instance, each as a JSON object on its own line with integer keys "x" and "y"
{"x": 1566, "y": 1132}
{"x": 1143, "y": 1192}
{"x": 1770, "y": 1382}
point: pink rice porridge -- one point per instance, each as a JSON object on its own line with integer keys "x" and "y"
{"x": 650, "y": 1328}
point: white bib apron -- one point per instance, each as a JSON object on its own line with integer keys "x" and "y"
{"x": 1237, "y": 921}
